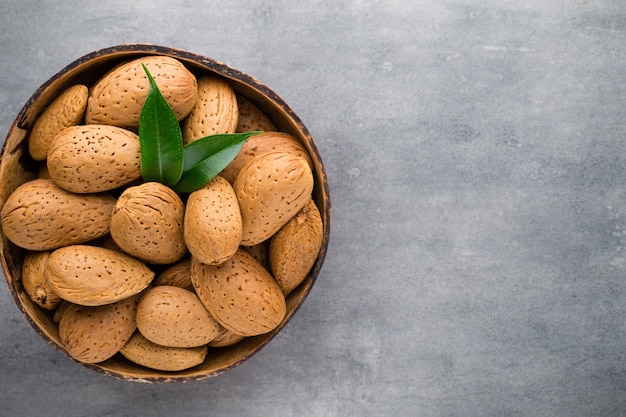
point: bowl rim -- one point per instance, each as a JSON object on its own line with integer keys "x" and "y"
{"x": 25, "y": 118}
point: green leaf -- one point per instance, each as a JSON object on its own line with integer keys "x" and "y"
{"x": 160, "y": 138}
{"x": 206, "y": 157}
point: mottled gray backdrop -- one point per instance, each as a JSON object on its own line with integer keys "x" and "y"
{"x": 476, "y": 153}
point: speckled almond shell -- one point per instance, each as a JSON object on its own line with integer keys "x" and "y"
{"x": 147, "y": 222}
{"x": 177, "y": 275}
{"x": 175, "y": 317}
{"x": 93, "y": 276}
{"x": 151, "y": 355}
{"x": 251, "y": 118}
{"x": 68, "y": 109}
{"x": 35, "y": 280}
{"x": 240, "y": 294}
{"x": 214, "y": 112}
{"x": 94, "y": 334}
{"x": 40, "y": 215}
{"x": 271, "y": 189}
{"x": 260, "y": 252}
{"x": 226, "y": 338}
{"x": 294, "y": 248}
{"x": 262, "y": 144}
{"x": 94, "y": 158}
{"x": 117, "y": 98}
{"x": 58, "y": 313}
{"x": 213, "y": 227}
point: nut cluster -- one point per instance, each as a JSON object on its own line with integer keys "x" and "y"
{"x": 134, "y": 269}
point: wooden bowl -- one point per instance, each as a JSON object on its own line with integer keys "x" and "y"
{"x": 16, "y": 167}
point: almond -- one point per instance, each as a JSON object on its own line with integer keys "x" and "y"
{"x": 94, "y": 334}
{"x": 147, "y": 223}
{"x": 271, "y": 189}
{"x": 294, "y": 248}
{"x": 58, "y": 313}
{"x": 177, "y": 275}
{"x": 226, "y": 338}
{"x": 240, "y": 294}
{"x": 40, "y": 215}
{"x": 118, "y": 97}
{"x": 214, "y": 112}
{"x": 260, "y": 252}
{"x": 262, "y": 144}
{"x": 213, "y": 222}
{"x": 172, "y": 316}
{"x": 36, "y": 282}
{"x": 251, "y": 118}
{"x": 146, "y": 353}
{"x": 94, "y": 158}
{"x": 93, "y": 276}
{"x": 66, "y": 110}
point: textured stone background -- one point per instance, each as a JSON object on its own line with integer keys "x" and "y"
{"x": 476, "y": 156}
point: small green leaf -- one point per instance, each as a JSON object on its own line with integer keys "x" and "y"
{"x": 160, "y": 138}
{"x": 205, "y": 158}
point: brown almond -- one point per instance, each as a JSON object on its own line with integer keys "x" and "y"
{"x": 251, "y": 118}
{"x": 146, "y": 353}
{"x": 271, "y": 189}
{"x": 94, "y": 158}
{"x": 172, "y": 316}
{"x": 147, "y": 223}
{"x": 36, "y": 282}
{"x": 94, "y": 334}
{"x": 177, "y": 275}
{"x": 240, "y": 294}
{"x": 118, "y": 97}
{"x": 260, "y": 252}
{"x": 40, "y": 215}
{"x": 213, "y": 225}
{"x": 214, "y": 112}
{"x": 66, "y": 110}
{"x": 58, "y": 313}
{"x": 294, "y": 248}
{"x": 93, "y": 276}
{"x": 262, "y": 144}
{"x": 226, "y": 338}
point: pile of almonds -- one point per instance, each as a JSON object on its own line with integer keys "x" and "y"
{"x": 133, "y": 268}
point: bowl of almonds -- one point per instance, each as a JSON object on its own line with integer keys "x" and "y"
{"x": 163, "y": 215}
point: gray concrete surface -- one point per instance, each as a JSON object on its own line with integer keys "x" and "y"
{"x": 476, "y": 153}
